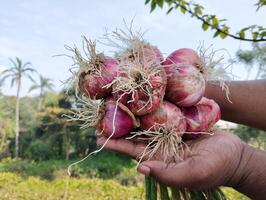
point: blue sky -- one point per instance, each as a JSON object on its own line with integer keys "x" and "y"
{"x": 37, "y": 30}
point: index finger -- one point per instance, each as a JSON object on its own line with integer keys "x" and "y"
{"x": 125, "y": 146}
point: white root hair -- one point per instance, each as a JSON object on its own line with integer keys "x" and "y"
{"x": 92, "y": 124}
{"x": 123, "y": 39}
{"x": 89, "y": 115}
{"x": 214, "y": 69}
{"x": 133, "y": 76}
{"x": 165, "y": 141}
{"x": 89, "y": 62}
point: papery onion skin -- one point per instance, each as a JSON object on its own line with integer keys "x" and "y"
{"x": 91, "y": 84}
{"x": 152, "y": 53}
{"x": 143, "y": 53}
{"x": 202, "y": 117}
{"x": 124, "y": 122}
{"x": 184, "y": 55}
{"x": 138, "y": 107}
{"x": 168, "y": 115}
{"x": 185, "y": 84}
{"x": 137, "y": 100}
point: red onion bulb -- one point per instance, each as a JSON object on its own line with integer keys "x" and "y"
{"x": 184, "y": 55}
{"x": 140, "y": 87}
{"x": 185, "y": 84}
{"x": 203, "y": 116}
{"x": 92, "y": 83}
{"x": 124, "y": 121}
{"x": 142, "y": 52}
{"x": 168, "y": 114}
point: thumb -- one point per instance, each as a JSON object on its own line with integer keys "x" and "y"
{"x": 175, "y": 174}
{"x": 148, "y": 168}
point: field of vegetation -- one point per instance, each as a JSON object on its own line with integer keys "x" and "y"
{"x": 94, "y": 179}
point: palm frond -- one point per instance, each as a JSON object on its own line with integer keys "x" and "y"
{"x": 29, "y": 69}
{"x": 5, "y": 71}
{"x": 13, "y": 80}
{"x": 25, "y": 64}
{"x": 15, "y": 64}
{"x": 29, "y": 77}
{"x": 34, "y": 87}
{"x": 3, "y": 78}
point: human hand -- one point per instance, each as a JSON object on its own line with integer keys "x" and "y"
{"x": 213, "y": 160}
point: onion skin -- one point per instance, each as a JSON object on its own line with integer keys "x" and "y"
{"x": 91, "y": 84}
{"x": 202, "y": 117}
{"x": 152, "y": 53}
{"x": 168, "y": 114}
{"x": 138, "y": 107}
{"x": 185, "y": 84}
{"x": 184, "y": 55}
{"x": 142, "y": 53}
{"x": 124, "y": 123}
{"x": 137, "y": 100}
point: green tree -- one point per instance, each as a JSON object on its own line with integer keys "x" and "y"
{"x": 253, "y": 136}
{"x": 257, "y": 55}
{"x": 15, "y": 73}
{"x": 44, "y": 85}
{"x": 253, "y": 33}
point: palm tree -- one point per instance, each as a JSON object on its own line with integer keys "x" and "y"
{"x": 16, "y": 72}
{"x": 44, "y": 86}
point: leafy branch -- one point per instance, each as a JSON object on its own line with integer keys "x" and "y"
{"x": 255, "y": 33}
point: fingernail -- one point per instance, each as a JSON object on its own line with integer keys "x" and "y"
{"x": 101, "y": 141}
{"x": 143, "y": 169}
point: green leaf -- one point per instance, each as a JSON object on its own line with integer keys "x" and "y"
{"x": 164, "y": 192}
{"x": 169, "y": 2}
{"x": 205, "y": 26}
{"x": 244, "y": 29}
{"x": 223, "y": 35}
{"x": 169, "y": 10}
{"x": 225, "y": 32}
{"x": 183, "y": 10}
{"x": 242, "y": 34}
{"x": 153, "y": 5}
{"x": 198, "y": 10}
{"x": 160, "y": 3}
{"x": 214, "y": 22}
{"x": 263, "y": 34}
{"x": 147, "y": 1}
{"x": 255, "y": 35}
{"x": 216, "y": 33}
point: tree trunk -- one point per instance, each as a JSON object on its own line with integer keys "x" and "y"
{"x": 41, "y": 97}
{"x": 17, "y": 120}
{"x": 40, "y": 107}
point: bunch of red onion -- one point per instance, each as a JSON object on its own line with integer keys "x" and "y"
{"x": 141, "y": 93}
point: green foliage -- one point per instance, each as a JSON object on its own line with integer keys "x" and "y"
{"x": 45, "y": 134}
{"x": 253, "y": 33}
{"x": 44, "y": 85}
{"x": 231, "y": 194}
{"x": 14, "y": 187}
{"x": 39, "y": 150}
{"x": 32, "y": 188}
{"x": 105, "y": 165}
{"x": 257, "y": 55}
{"x": 253, "y": 136}
{"x": 260, "y": 3}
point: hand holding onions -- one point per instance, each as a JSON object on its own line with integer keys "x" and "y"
{"x": 139, "y": 94}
